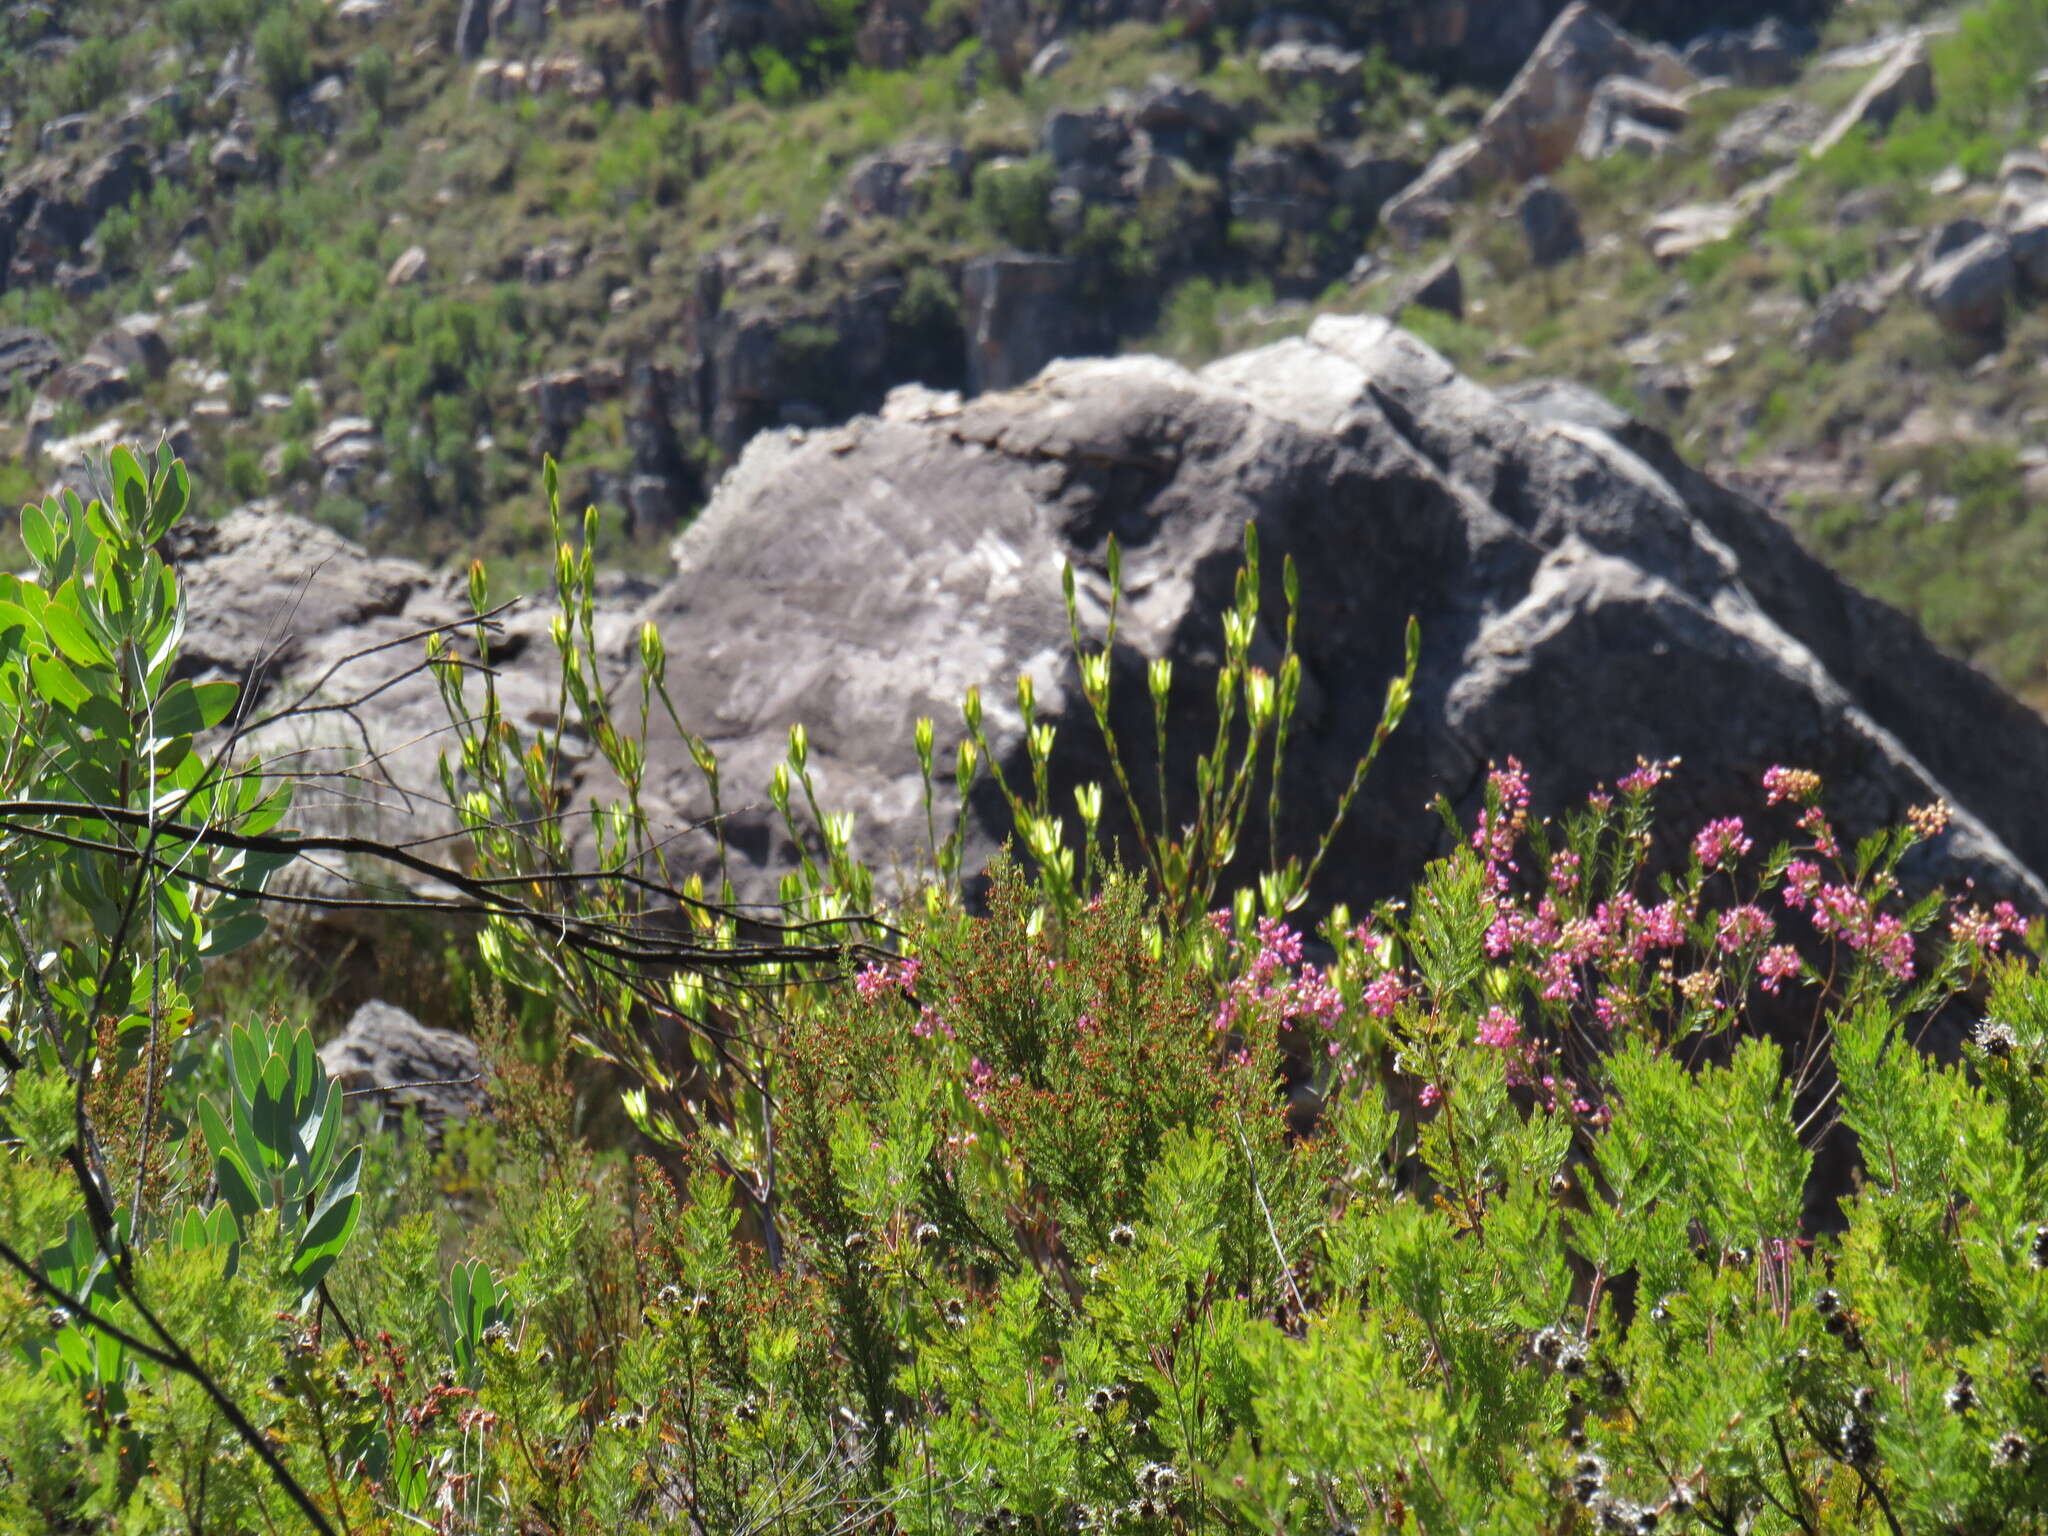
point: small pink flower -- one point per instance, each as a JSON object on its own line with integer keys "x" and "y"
{"x": 1985, "y": 931}
{"x": 1384, "y": 993}
{"x": 1782, "y": 784}
{"x": 1429, "y": 1096}
{"x": 1741, "y": 927}
{"x": 871, "y": 981}
{"x": 1500, "y": 1029}
{"x": 1802, "y": 882}
{"x": 979, "y": 1076}
{"x": 1777, "y": 965}
{"x": 1814, "y": 823}
{"x": 1645, "y": 776}
{"x": 1721, "y": 842}
{"x": 1564, "y": 872}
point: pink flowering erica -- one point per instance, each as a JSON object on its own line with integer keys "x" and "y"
{"x": 1494, "y": 836}
{"x": 979, "y": 1076}
{"x": 1385, "y": 993}
{"x": 877, "y": 978}
{"x": 1984, "y": 931}
{"x": 1630, "y": 931}
{"x": 1782, "y": 784}
{"x": 1814, "y": 823}
{"x": 1846, "y": 914}
{"x": 1500, "y": 1029}
{"x": 1272, "y": 989}
{"x": 1802, "y": 883}
{"x": 1779, "y": 963}
{"x": 1645, "y": 776}
{"x": 1721, "y": 842}
{"x": 1740, "y": 927}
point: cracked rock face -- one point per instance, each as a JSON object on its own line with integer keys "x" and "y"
{"x": 1583, "y": 596}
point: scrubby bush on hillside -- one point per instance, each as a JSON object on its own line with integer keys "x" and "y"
{"x": 1124, "y": 1204}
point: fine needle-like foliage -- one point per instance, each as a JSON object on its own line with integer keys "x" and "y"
{"x": 1570, "y": 1194}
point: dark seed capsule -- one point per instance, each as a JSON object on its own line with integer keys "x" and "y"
{"x": 1828, "y": 1303}
{"x": 1962, "y": 1397}
{"x": 2038, "y": 1253}
{"x": 2011, "y": 1450}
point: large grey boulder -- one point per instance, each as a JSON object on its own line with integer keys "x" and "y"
{"x": 1967, "y": 289}
{"x": 1583, "y": 595}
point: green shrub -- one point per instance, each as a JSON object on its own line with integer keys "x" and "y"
{"x": 373, "y": 77}
{"x": 242, "y": 473}
{"x": 283, "y": 59}
{"x": 1011, "y": 201}
{"x": 1127, "y": 1203}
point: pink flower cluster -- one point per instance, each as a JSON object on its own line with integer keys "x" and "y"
{"x": 1645, "y": 776}
{"x": 1782, "y": 784}
{"x": 877, "y": 978}
{"x": 1271, "y": 987}
{"x": 1500, "y": 1029}
{"x": 1779, "y": 964}
{"x": 1847, "y": 914}
{"x": 1721, "y": 842}
{"x": 1740, "y": 927}
{"x": 1984, "y": 931}
{"x": 1494, "y": 836}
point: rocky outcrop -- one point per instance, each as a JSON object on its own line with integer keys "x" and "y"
{"x": 1906, "y": 79}
{"x": 1537, "y": 121}
{"x": 1583, "y": 595}
{"x": 1022, "y": 312}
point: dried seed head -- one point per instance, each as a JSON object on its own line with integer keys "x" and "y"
{"x": 1571, "y": 1362}
{"x": 1099, "y": 1400}
{"x": 1995, "y": 1037}
{"x": 1828, "y": 1303}
{"x": 1122, "y": 1235}
{"x": 854, "y": 1242}
{"x": 2037, "y": 1378}
{"x": 668, "y": 1295}
{"x": 1962, "y": 1397}
{"x": 1547, "y": 1346}
{"x": 1864, "y": 1399}
{"x": 927, "y": 1234}
{"x": 2011, "y": 1450}
{"x": 2037, "y": 1254}
{"x": 1859, "y": 1445}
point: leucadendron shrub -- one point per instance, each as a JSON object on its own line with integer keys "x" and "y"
{"x": 1569, "y": 1194}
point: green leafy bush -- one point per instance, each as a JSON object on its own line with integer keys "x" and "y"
{"x": 1126, "y": 1203}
